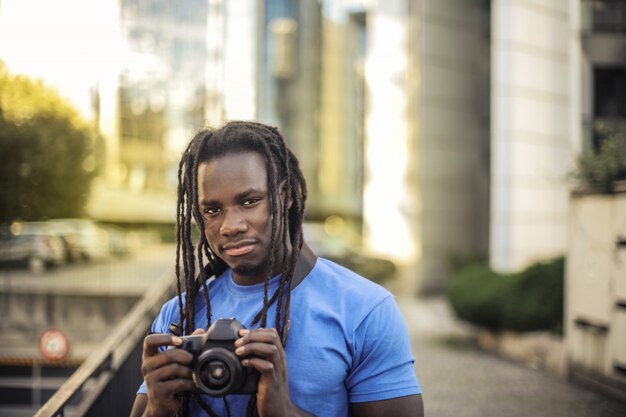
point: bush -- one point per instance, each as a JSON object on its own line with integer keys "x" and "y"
{"x": 536, "y": 298}
{"x": 526, "y": 301}
{"x": 596, "y": 171}
{"x": 475, "y": 292}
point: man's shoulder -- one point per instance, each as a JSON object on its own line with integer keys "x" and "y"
{"x": 345, "y": 278}
{"x": 171, "y": 305}
{"x": 169, "y": 313}
{"x": 339, "y": 285}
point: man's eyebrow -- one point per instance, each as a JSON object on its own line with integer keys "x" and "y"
{"x": 208, "y": 203}
{"x": 244, "y": 194}
{"x": 241, "y": 196}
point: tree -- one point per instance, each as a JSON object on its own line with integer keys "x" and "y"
{"x": 47, "y": 159}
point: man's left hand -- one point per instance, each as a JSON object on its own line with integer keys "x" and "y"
{"x": 263, "y": 350}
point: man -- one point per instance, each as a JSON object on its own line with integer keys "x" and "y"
{"x": 325, "y": 341}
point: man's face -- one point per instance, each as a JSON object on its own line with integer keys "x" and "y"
{"x": 235, "y": 204}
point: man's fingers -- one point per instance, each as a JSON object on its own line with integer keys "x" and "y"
{"x": 259, "y": 335}
{"x": 152, "y": 342}
{"x": 262, "y": 350}
{"x": 178, "y": 356}
{"x": 172, "y": 387}
{"x": 261, "y": 365}
{"x": 167, "y": 367}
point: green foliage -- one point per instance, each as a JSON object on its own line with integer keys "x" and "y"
{"x": 597, "y": 171}
{"x": 526, "y": 301}
{"x": 475, "y": 293}
{"x": 46, "y": 152}
{"x": 536, "y": 299}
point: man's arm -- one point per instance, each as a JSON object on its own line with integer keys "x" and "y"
{"x": 409, "y": 406}
{"x": 385, "y": 363}
{"x": 139, "y": 406}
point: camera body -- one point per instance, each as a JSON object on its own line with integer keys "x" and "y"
{"x": 217, "y": 371}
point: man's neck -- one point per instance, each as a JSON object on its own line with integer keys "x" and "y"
{"x": 306, "y": 261}
{"x": 247, "y": 279}
{"x": 258, "y": 274}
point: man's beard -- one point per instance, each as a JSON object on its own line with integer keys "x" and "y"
{"x": 253, "y": 269}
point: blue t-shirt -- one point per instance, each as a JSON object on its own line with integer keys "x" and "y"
{"x": 347, "y": 343}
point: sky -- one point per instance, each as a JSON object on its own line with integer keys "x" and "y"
{"x": 73, "y": 42}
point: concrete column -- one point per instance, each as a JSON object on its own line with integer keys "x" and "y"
{"x": 531, "y": 127}
{"x": 451, "y": 135}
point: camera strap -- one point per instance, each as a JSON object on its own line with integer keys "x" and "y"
{"x": 305, "y": 263}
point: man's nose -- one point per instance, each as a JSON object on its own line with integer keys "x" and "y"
{"x": 233, "y": 223}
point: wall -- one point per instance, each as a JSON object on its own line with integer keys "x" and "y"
{"x": 85, "y": 319}
{"x": 596, "y": 292}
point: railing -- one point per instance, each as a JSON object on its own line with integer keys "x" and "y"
{"x": 603, "y": 15}
{"x": 104, "y": 385}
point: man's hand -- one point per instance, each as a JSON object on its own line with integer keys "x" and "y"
{"x": 263, "y": 350}
{"x": 166, "y": 374}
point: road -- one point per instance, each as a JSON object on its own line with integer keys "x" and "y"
{"x": 129, "y": 275}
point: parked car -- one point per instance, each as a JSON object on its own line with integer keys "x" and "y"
{"x": 121, "y": 242}
{"x": 91, "y": 239}
{"x": 332, "y": 247}
{"x": 67, "y": 236}
{"x": 36, "y": 251}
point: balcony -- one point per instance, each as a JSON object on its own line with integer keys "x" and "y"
{"x": 603, "y": 25}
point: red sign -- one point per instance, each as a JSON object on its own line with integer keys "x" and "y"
{"x": 53, "y": 344}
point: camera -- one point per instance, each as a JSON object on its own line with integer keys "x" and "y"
{"x": 217, "y": 371}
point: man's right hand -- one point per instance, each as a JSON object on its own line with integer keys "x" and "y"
{"x": 166, "y": 374}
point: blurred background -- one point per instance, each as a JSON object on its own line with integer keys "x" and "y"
{"x": 435, "y": 135}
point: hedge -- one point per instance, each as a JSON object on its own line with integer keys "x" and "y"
{"x": 526, "y": 301}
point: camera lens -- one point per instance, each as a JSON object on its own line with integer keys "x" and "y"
{"x": 218, "y": 372}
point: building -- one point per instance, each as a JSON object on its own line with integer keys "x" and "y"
{"x": 149, "y": 107}
{"x": 404, "y": 131}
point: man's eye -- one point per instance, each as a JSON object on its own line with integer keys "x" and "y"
{"x": 251, "y": 202}
{"x": 211, "y": 211}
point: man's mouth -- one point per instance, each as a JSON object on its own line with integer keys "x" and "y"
{"x": 238, "y": 248}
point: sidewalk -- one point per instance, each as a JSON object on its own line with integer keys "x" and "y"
{"x": 460, "y": 380}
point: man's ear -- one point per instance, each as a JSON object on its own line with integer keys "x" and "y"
{"x": 283, "y": 192}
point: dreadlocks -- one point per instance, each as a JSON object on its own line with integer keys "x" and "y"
{"x": 287, "y": 214}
